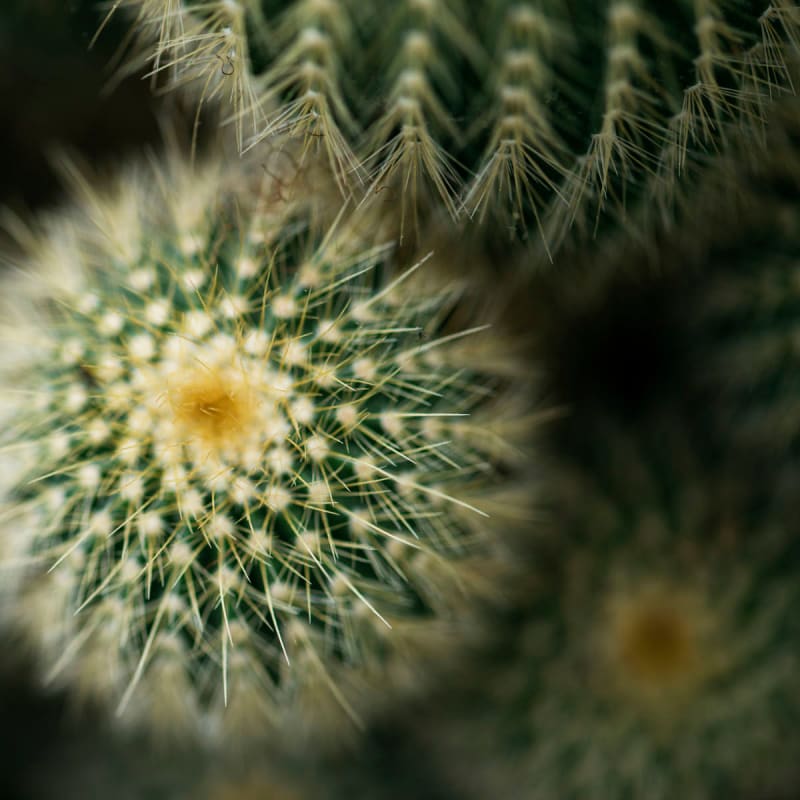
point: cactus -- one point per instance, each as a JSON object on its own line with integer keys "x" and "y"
{"x": 257, "y": 788}
{"x": 744, "y": 315}
{"x": 708, "y": 305}
{"x": 658, "y": 657}
{"x": 554, "y": 113}
{"x": 252, "y": 464}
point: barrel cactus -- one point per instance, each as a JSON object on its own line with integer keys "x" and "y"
{"x": 554, "y": 112}
{"x": 251, "y": 461}
{"x": 745, "y": 320}
{"x": 256, "y": 787}
{"x": 659, "y": 655}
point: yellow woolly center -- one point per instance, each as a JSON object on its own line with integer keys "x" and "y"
{"x": 213, "y": 407}
{"x": 656, "y": 644}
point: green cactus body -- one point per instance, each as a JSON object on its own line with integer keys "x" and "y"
{"x": 251, "y": 465}
{"x": 549, "y": 115}
{"x": 659, "y": 658}
{"x": 753, "y": 353}
{"x": 745, "y": 320}
{"x": 732, "y": 267}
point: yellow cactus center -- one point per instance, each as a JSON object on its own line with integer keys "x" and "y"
{"x": 656, "y": 644}
{"x": 212, "y": 407}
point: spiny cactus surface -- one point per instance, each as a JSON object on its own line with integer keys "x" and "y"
{"x": 249, "y": 459}
{"x": 537, "y": 114}
{"x": 659, "y": 657}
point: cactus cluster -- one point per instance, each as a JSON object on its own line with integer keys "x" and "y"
{"x": 267, "y": 410}
{"x": 554, "y": 111}
{"x": 250, "y": 461}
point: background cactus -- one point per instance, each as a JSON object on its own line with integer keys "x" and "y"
{"x": 698, "y": 316}
{"x": 656, "y": 653}
{"x": 56, "y": 754}
{"x": 744, "y": 313}
{"x": 252, "y": 465}
{"x": 551, "y": 113}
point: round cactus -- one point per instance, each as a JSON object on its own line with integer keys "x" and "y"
{"x": 257, "y": 788}
{"x": 251, "y": 463}
{"x": 537, "y": 113}
{"x": 659, "y": 657}
{"x": 719, "y": 312}
{"x": 744, "y": 316}
{"x": 266, "y": 780}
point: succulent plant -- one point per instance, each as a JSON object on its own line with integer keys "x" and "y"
{"x": 255, "y": 788}
{"x": 744, "y": 316}
{"x": 701, "y": 315}
{"x": 553, "y": 112}
{"x": 252, "y": 464}
{"x": 658, "y": 654}
{"x": 260, "y": 461}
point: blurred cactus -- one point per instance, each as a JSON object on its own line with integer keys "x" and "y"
{"x": 658, "y": 657}
{"x": 255, "y": 788}
{"x": 696, "y": 316}
{"x": 251, "y": 465}
{"x": 553, "y": 112}
{"x": 700, "y": 314}
{"x": 745, "y": 317}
